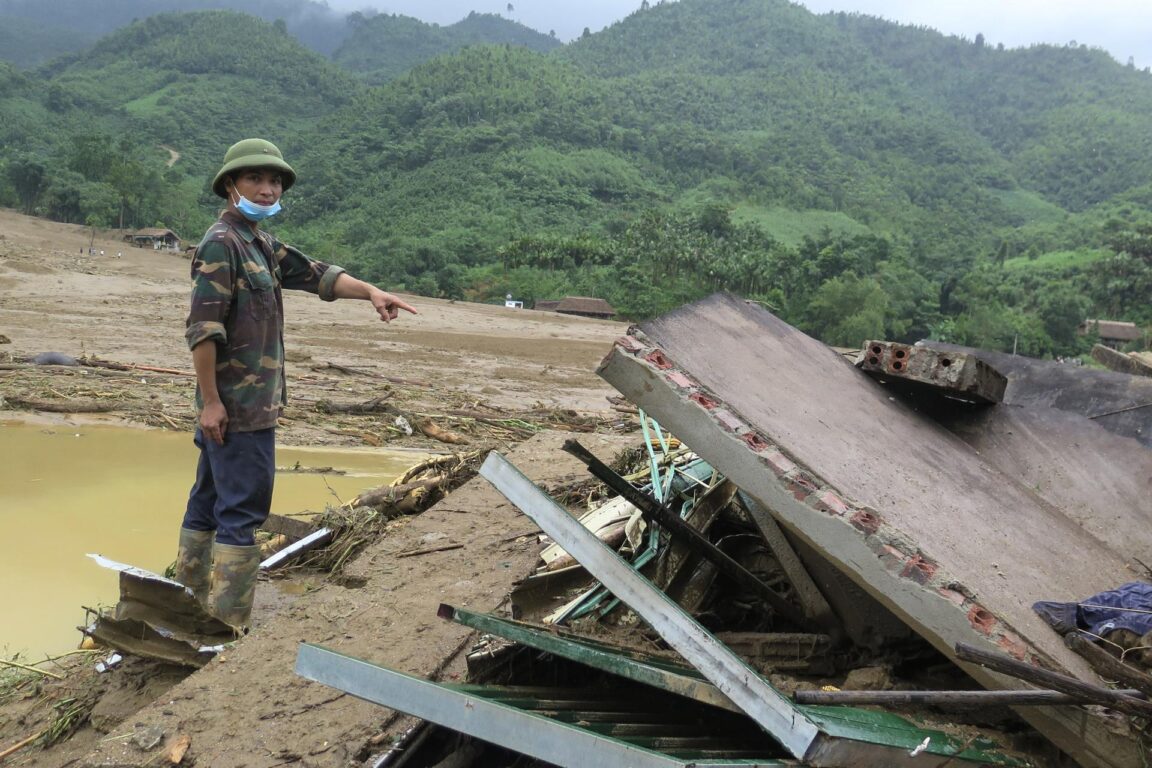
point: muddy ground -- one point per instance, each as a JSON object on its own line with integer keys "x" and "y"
{"x": 462, "y": 375}
{"x": 454, "y": 362}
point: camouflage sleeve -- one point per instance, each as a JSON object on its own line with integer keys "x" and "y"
{"x": 301, "y": 272}
{"x": 213, "y": 278}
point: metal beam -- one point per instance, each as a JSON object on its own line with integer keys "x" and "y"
{"x": 663, "y": 675}
{"x": 822, "y": 738}
{"x": 531, "y": 734}
{"x": 735, "y": 679}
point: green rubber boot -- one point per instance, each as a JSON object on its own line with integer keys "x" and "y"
{"x": 234, "y": 571}
{"x": 194, "y": 561}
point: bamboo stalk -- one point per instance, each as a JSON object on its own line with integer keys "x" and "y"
{"x": 942, "y": 698}
{"x": 1106, "y": 664}
{"x": 77, "y": 652}
{"x": 999, "y": 662}
{"x": 429, "y": 550}
{"x": 373, "y": 374}
{"x": 70, "y": 407}
{"x": 17, "y": 747}
{"x": 154, "y": 369}
{"x": 18, "y": 665}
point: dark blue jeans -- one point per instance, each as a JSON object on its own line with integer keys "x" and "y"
{"x": 232, "y": 494}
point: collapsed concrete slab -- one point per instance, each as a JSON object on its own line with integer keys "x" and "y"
{"x": 1117, "y": 402}
{"x": 954, "y": 374}
{"x": 1098, "y": 479}
{"x": 1115, "y": 360}
{"x": 948, "y": 541}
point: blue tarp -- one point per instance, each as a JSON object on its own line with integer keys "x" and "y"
{"x": 1129, "y": 606}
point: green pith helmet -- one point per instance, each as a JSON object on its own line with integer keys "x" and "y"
{"x": 252, "y": 153}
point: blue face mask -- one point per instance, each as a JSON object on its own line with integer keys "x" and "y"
{"x": 256, "y": 212}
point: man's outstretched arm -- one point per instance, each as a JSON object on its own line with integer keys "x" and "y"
{"x": 387, "y": 305}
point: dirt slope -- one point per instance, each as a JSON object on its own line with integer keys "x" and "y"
{"x": 453, "y": 360}
{"x": 491, "y": 375}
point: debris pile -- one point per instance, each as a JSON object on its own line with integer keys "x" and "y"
{"x": 52, "y": 382}
{"x": 364, "y": 519}
{"x": 397, "y": 409}
{"x": 832, "y": 543}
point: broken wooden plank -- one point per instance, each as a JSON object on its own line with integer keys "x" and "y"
{"x": 1106, "y": 664}
{"x": 812, "y": 601}
{"x": 429, "y": 550}
{"x": 1095, "y": 694}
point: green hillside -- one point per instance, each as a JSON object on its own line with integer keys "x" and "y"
{"x": 26, "y": 43}
{"x": 384, "y": 47}
{"x": 313, "y": 23}
{"x": 1067, "y": 118}
{"x": 104, "y": 123}
{"x": 862, "y": 178}
{"x": 379, "y": 46}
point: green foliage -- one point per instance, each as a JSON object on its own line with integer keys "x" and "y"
{"x": 1022, "y": 207}
{"x": 994, "y": 326}
{"x": 190, "y": 82}
{"x": 859, "y": 177}
{"x": 314, "y": 23}
{"x": 235, "y": 51}
{"x": 1057, "y": 261}
{"x": 847, "y": 310}
{"x": 1122, "y": 282}
{"x": 792, "y": 227}
{"x": 383, "y": 47}
{"x": 28, "y": 177}
{"x": 26, "y": 43}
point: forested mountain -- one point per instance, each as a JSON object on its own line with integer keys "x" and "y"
{"x": 26, "y": 43}
{"x": 105, "y": 126}
{"x": 314, "y": 23}
{"x": 379, "y": 46}
{"x": 1068, "y": 118}
{"x": 385, "y": 46}
{"x": 862, "y": 178}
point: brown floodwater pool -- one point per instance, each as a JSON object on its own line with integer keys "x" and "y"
{"x": 66, "y": 491}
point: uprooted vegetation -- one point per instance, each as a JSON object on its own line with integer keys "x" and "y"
{"x": 398, "y": 409}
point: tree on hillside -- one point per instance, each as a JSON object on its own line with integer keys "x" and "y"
{"x": 1122, "y": 283}
{"x": 847, "y": 310}
{"x": 28, "y": 176}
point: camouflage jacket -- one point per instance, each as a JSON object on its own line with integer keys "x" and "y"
{"x": 237, "y": 276}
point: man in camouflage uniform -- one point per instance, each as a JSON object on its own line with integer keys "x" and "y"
{"x": 235, "y": 330}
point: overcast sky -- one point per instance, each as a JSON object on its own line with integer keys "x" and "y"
{"x": 1121, "y": 27}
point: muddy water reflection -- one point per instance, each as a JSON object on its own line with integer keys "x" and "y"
{"x": 69, "y": 490}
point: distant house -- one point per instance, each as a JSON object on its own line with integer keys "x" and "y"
{"x": 160, "y": 239}
{"x": 1112, "y": 333}
{"x": 583, "y": 306}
